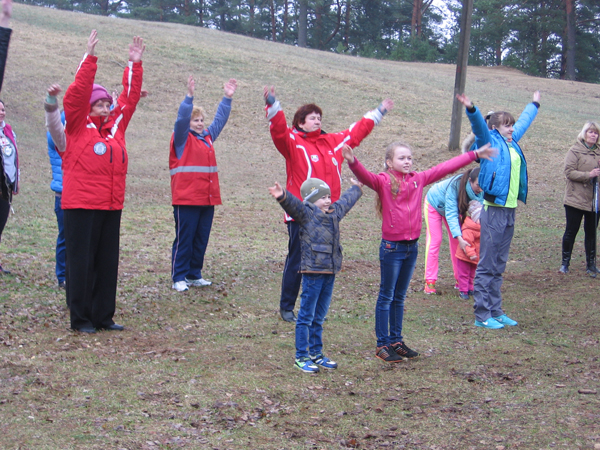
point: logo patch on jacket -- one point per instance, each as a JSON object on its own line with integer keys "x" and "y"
{"x": 314, "y": 158}
{"x": 100, "y": 148}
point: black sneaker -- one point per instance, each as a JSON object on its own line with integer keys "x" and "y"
{"x": 402, "y": 350}
{"x": 387, "y": 354}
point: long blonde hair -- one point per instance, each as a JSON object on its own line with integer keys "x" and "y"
{"x": 590, "y": 124}
{"x": 390, "y": 151}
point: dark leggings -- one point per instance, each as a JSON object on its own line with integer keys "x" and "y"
{"x": 574, "y": 217}
{"x": 4, "y": 210}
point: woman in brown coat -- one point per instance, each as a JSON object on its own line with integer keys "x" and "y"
{"x": 581, "y": 170}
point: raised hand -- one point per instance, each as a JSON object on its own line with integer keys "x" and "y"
{"x": 91, "y": 43}
{"x": 466, "y": 101}
{"x": 136, "y": 50}
{"x": 487, "y": 152}
{"x": 54, "y": 90}
{"x": 230, "y": 88}
{"x": 348, "y": 154}
{"x": 387, "y": 105}
{"x": 191, "y": 86}
{"x": 537, "y": 96}
{"x": 269, "y": 94}
{"x": 5, "y": 13}
{"x": 356, "y": 183}
{"x": 276, "y": 191}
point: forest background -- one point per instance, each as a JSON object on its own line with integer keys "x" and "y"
{"x": 545, "y": 38}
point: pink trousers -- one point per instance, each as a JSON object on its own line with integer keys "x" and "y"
{"x": 433, "y": 241}
{"x": 466, "y": 275}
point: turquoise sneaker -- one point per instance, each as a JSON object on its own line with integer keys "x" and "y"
{"x": 306, "y": 365}
{"x": 505, "y": 320}
{"x": 491, "y": 323}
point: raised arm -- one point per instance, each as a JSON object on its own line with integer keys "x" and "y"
{"x": 53, "y": 123}
{"x": 527, "y": 117}
{"x": 5, "y": 13}
{"x": 478, "y": 123}
{"x": 184, "y": 115}
{"x": 277, "y": 123}
{"x": 223, "y": 111}
{"x": 132, "y": 81}
{"x": 77, "y": 97}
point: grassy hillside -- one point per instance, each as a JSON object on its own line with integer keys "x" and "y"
{"x": 212, "y": 368}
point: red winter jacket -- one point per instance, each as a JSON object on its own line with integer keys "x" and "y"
{"x": 315, "y": 154}
{"x": 402, "y": 218}
{"x": 200, "y": 186}
{"x": 471, "y": 232}
{"x": 95, "y": 160}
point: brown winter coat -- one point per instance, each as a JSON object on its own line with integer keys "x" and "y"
{"x": 579, "y": 162}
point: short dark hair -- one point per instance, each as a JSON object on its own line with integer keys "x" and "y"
{"x": 303, "y": 111}
{"x": 500, "y": 118}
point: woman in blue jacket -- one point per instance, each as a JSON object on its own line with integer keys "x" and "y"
{"x": 504, "y": 181}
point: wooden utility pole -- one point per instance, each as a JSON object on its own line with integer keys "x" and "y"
{"x": 461, "y": 73}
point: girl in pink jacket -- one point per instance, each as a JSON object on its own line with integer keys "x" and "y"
{"x": 400, "y": 196}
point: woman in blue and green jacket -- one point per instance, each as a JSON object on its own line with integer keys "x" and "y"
{"x": 504, "y": 181}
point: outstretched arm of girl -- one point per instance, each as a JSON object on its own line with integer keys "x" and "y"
{"x": 348, "y": 154}
{"x": 466, "y": 101}
{"x": 276, "y": 191}
{"x": 487, "y": 152}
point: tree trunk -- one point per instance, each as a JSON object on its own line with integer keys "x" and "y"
{"x": 285, "y": 20}
{"x": 347, "y": 24}
{"x": 273, "y": 23}
{"x": 570, "y": 53}
{"x": 251, "y": 5}
{"x": 302, "y": 22}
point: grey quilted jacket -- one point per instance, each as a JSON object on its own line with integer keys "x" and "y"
{"x": 320, "y": 232}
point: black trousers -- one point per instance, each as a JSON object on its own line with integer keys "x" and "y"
{"x": 92, "y": 241}
{"x": 4, "y": 210}
{"x": 590, "y": 223}
{"x": 292, "y": 278}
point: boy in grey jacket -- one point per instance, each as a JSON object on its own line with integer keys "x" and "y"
{"x": 321, "y": 260}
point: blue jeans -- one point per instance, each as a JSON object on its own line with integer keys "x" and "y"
{"x": 60, "y": 241}
{"x": 192, "y": 231}
{"x": 314, "y": 304}
{"x": 397, "y": 263}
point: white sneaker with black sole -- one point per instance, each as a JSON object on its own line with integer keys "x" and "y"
{"x": 198, "y": 282}
{"x": 180, "y": 286}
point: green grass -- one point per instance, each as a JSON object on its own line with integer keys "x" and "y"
{"x": 212, "y": 368}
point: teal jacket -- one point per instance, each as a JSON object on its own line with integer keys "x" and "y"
{"x": 494, "y": 176}
{"x": 443, "y": 196}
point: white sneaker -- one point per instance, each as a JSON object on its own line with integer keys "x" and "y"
{"x": 198, "y": 282}
{"x": 180, "y": 286}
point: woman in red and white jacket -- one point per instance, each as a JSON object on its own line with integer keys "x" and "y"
{"x": 194, "y": 185}
{"x": 94, "y": 171}
{"x": 310, "y": 152}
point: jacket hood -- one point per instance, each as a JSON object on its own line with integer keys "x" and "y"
{"x": 469, "y": 224}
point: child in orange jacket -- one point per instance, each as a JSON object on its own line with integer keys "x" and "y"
{"x": 467, "y": 260}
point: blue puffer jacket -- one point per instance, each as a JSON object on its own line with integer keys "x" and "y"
{"x": 321, "y": 251}
{"x": 494, "y": 177}
{"x": 443, "y": 196}
{"x": 55, "y": 162}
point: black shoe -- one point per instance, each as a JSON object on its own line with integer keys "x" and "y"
{"x": 88, "y": 330}
{"x": 287, "y": 316}
{"x": 62, "y": 285}
{"x": 402, "y": 350}
{"x": 563, "y": 269}
{"x": 4, "y": 271}
{"x": 114, "y": 327}
{"x": 387, "y": 354}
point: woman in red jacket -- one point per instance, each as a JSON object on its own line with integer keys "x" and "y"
{"x": 94, "y": 170}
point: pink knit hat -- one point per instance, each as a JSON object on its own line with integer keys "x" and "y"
{"x": 99, "y": 93}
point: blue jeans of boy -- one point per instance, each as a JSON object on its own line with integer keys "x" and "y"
{"x": 60, "y": 241}
{"x": 397, "y": 263}
{"x": 314, "y": 304}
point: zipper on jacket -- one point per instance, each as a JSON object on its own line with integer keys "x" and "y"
{"x": 111, "y": 154}
{"x": 492, "y": 182}
{"x": 123, "y": 152}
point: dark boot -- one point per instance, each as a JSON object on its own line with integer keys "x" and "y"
{"x": 566, "y": 260}
{"x": 590, "y": 258}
